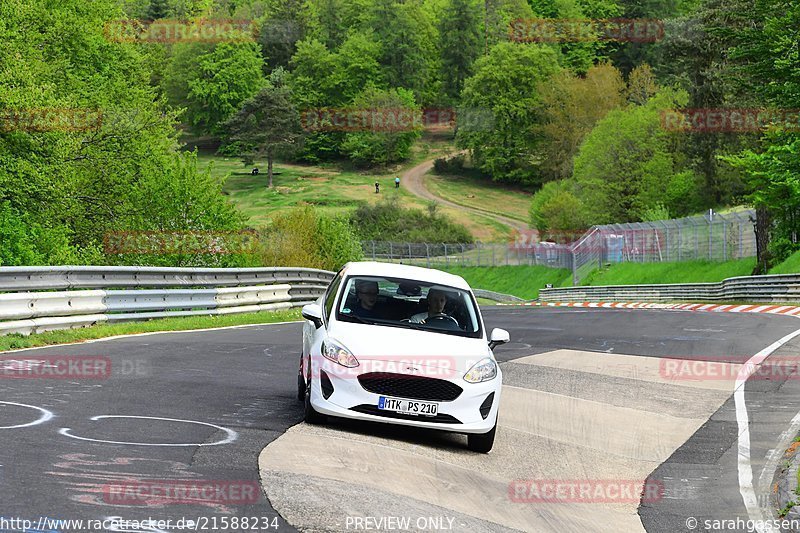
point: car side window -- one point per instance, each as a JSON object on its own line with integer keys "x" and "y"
{"x": 331, "y": 295}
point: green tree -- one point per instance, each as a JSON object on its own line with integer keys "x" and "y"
{"x": 212, "y": 81}
{"x": 460, "y": 44}
{"x": 407, "y": 40}
{"x": 357, "y": 65}
{"x": 557, "y": 212}
{"x": 625, "y": 164}
{"x": 225, "y": 78}
{"x": 267, "y": 125}
{"x": 70, "y": 186}
{"x": 384, "y": 139}
{"x": 571, "y": 106}
{"x": 505, "y": 88}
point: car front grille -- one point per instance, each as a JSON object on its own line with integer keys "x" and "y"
{"x": 373, "y": 410}
{"x": 409, "y": 386}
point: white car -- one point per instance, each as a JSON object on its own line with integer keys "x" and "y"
{"x": 401, "y": 345}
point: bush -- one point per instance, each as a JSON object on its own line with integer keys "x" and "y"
{"x": 24, "y": 242}
{"x": 555, "y": 209}
{"x": 449, "y": 165}
{"x": 304, "y": 237}
{"x": 388, "y": 221}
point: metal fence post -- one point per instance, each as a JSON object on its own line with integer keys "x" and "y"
{"x": 427, "y": 256}
{"x": 446, "y": 257}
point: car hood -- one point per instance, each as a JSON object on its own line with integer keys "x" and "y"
{"x": 383, "y": 344}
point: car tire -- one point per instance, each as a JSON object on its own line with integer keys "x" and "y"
{"x": 301, "y": 383}
{"x": 310, "y": 416}
{"x": 481, "y": 442}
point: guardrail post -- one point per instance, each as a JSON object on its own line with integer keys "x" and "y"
{"x": 427, "y": 255}
{"x": 446, "y": 257}
{"x": 391, "y": 252}
{"x": 373, "y": 250}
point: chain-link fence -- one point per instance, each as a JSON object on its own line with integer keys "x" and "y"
{"x": 471, "y": 254}
{"x": 714, "y": 237}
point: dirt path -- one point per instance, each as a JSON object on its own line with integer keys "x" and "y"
{"x": 414, "y": 183}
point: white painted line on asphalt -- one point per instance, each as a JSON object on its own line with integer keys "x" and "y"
{"x": 744, "y": 465}
{"x": 231, "y": 435}
{"x": 46, "y": 415}
{"x": 104, "y": 339}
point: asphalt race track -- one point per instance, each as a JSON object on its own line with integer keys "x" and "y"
{"x": 587, "y": 396}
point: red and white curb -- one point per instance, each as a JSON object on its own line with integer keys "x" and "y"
{"x": 718, "y": 308}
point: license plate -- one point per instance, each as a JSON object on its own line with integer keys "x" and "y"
{"x": 408, "y": 407}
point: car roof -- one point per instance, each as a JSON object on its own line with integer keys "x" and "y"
{"x": 393, "y": 270}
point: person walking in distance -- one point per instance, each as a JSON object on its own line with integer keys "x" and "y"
{"x": 377, "y": 187}
{"x": 397, "y": 182}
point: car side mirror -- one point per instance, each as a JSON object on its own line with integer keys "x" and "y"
{"x": 313, "y": 313}
{"x": 498, "y": 336}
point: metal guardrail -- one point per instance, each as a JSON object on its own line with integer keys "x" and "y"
{"x": 497, "y": 296}
{"x": 110, "y": 277}
{"x": 147, "y": 293}
{"x": 776, "y": 288}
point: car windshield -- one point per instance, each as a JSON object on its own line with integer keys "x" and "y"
{"x": 408, "y": 303}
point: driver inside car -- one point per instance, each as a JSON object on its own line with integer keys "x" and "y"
{"x": 437, "y": 299}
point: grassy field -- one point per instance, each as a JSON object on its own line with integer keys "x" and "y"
{"x": 15, "y": 341}
{"x": 333, "y": 189}
{"x": 522, "y": 281}
{"x": 482, "y": 195}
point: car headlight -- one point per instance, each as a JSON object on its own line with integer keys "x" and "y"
{"x": 338, "y": 354}
{"x": 483, "y": 370}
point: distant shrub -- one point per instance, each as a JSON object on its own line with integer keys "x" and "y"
{"x": 389, "y": 221}
{"x": 556, "y": 208}
{"x": 449, "y": 165}
{"x": 304, "y": 237}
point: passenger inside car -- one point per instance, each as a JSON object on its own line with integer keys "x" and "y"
{"x": 366, "y": 299}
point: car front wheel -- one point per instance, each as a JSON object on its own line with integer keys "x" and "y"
{"x": 309, "y": 414}
{"x": 301, "y": 383}
{"x": 481, "y": 442}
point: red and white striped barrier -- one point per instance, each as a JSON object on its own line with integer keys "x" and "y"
{"x": 717, "y": 308}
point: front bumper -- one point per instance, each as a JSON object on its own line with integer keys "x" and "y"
{"x": 350, "y": 400}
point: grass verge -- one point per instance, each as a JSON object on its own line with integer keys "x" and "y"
{"x": 523, "y": 281}
{"x": 790, "y": 266}
{"x": 657, "y": 273}
{"x": 482, "y": 195}
{"x": 66, "y": 336}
